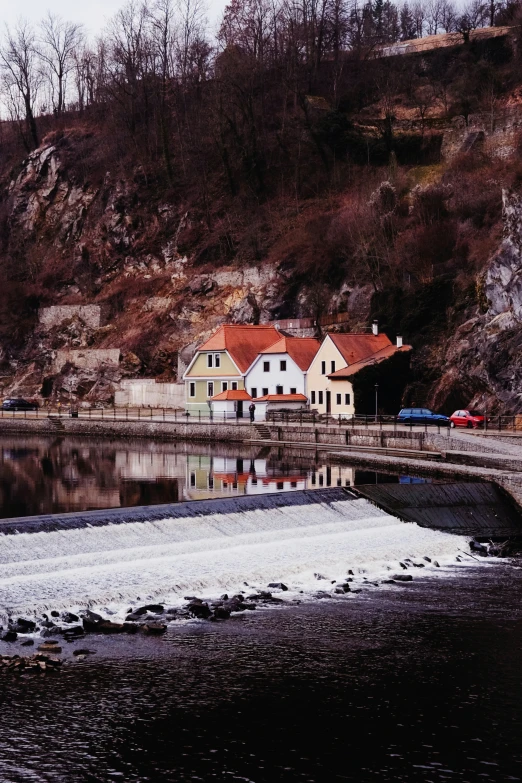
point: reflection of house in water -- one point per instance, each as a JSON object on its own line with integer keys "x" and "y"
{"x": 149, "y": 477}
{"x": 220, "y": 476}
{"x": 332, "y": 476}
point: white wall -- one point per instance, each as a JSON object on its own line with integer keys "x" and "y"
{"x": 147, "y": 393}
{"x": 291, "y": 378}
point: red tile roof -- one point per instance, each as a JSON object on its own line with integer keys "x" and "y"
{"x": 242, "y": 341}
{"x": 301, "y": 349}
{"x": 232, "y": 394}
{"x": 281, "y": 398}
{"x": 355, "y": 347}
{"x": 375, "y": 358}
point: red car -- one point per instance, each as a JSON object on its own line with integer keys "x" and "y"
{"x": 469, "y": 419}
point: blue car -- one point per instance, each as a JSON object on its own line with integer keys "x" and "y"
{"x": 422, "y": 416}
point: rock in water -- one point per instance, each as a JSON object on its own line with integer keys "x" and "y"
{"x": 278, "y": 586}
{"x": 402, "y": 578}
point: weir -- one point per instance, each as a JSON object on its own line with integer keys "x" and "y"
{"x": 479, "y": 509}
{"x": 116, "y": 557}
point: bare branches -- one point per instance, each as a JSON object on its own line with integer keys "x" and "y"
{"x": 21, "y": 78}
{"x": 57, "y": 48}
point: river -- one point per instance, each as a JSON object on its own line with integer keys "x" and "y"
{"x": 41, "y": 475}
{"x": 420, "y": 683}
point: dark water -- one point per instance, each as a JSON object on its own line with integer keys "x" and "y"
{"x": 56, "y": 475}
{"x": 420, "y": 683}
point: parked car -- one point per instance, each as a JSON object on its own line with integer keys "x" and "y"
{"x": 17, "y": 404}
{"x": 422, "y": 416}
{"x": 469, "y": 419}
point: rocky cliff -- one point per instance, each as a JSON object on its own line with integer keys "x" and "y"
{"x": 483, "y": 359}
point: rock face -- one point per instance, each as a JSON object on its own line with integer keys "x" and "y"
{"x": 483, "y": 360}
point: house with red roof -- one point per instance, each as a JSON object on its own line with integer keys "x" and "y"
{"x": 243, "y": 362}
{"x": 221, "y": 363}
{"x": 345, "y": 361}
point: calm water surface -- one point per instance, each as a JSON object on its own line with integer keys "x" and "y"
{"x": 57, "y": 475}
{"x": 410, "y": 684}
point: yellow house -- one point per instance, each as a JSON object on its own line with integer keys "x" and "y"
{"x": 340, "y": 357}
{"x": 222, "y": 362}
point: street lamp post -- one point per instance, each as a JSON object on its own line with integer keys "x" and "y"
{"x": 376, "y": 399}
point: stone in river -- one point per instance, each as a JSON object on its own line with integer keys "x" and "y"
{"x": 47, "y": 647}
{"x": 154, "y": 629}
{"x": 28, "y": 643}
{"x": 10, "y": 636}
{"x": 278, "y": 586}
{"x": 54, "y": 613}
{"x": 200, "y": 610}
{"x": 221, "y": 613}
{"x": 24, "y": 626}
{"x": 91, "y": 620}
{"x": 83, "y": 651}
{"x": 69, "y": 617}
{"x": 402, "y": 578}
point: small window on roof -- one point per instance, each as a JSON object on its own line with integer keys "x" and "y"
{"x": 234, "y": 385}
{"x": 265, "y": 392}
{"x": 292, "y": 390}
{"x": 279, "y": 389}
{"x": 210, "y": 360}
{"x": 224, "y": 385}
{"x": 217, "y": 360}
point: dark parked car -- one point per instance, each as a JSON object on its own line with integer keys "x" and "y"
{"x": 469, "y": 419}
{"x": 422, "y": 416}
{"x": 17, "y": 404}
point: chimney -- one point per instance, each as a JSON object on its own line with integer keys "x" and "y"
{"x": 399, "y": 342}
{"x": 375, "y": 327}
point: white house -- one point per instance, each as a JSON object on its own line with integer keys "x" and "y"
{"x": 281, "y": 369}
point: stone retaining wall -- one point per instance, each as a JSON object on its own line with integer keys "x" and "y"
{"x": 91, "y": 315}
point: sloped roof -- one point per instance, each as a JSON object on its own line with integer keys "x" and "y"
{"x": 242, "y": 341}
{"x": 355, "y": 347}
{"x": 301, "y": 349}
{"x": 375, "y": 358}
{"x": 232, "y": 394}
{"x": 281, "y": 398}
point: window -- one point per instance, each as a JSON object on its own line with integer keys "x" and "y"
{"x": 217, "y": 360}
{"x": 332, "y": 365}
{"x": 253, "y": 392}
{"x": 224, "y": 385}
{"x": 323, "y": 368}
{"x": 346, "y": 399}
{"x": 192, "y": 479}
{"x": 192, "y": 389}
{"x": 210, "y": 360}
{"x": 312, "y": 397}
{"x": 320, "y": 398}
{"x": 210, "y": 389}
{"x": 266, "y": 366}
{"x": 210, "y": 481}
{"x": 338, "y": 398}
{"x": 292, "y": 390}
{"x": 234, "y": 385}
{"x": 282, "y": 365}
{"x": 279, "y": 389}
{"x": 265, "y": 392}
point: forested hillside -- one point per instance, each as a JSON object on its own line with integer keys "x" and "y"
{"x": 287, "y": 167}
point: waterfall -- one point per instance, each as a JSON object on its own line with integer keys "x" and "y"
{"x": 218, "y": 546}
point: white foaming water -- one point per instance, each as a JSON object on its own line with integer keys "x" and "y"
{"x": 208, "y": 554}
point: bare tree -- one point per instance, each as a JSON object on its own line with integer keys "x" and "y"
{"x": 21, "y": 77}
{"x": 59, "y": 41}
